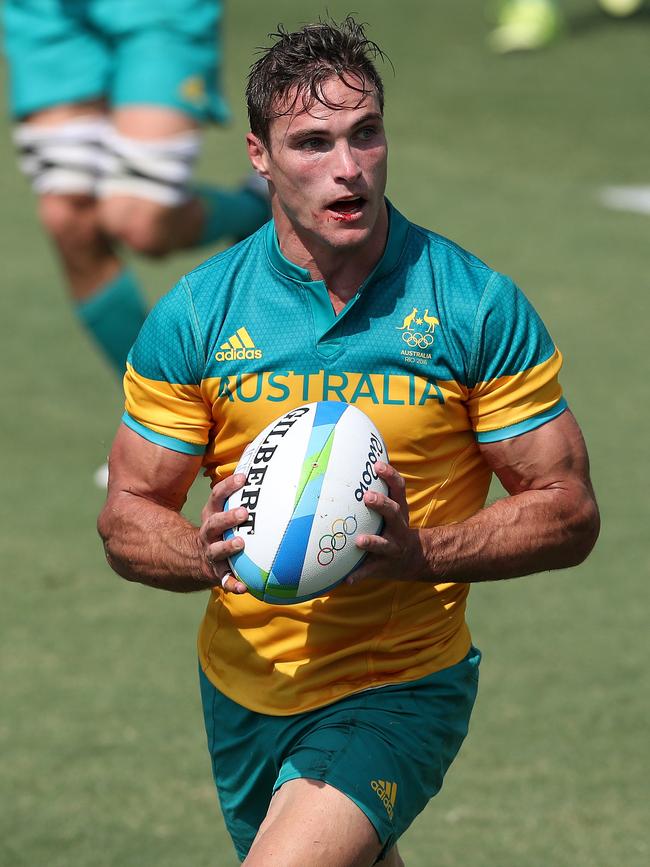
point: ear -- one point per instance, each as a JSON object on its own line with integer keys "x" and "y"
{"x": 258, "y": 155}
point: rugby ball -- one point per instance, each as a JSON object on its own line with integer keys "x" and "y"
{"x": 306, "y": 474}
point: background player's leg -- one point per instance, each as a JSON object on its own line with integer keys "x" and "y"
{"x": 620, "y": 8}
{"x": 525, "y": 25}
{"x": 148, "y": 201}
{"x": 61, "y": 149}
{"x": 310, "y": 822}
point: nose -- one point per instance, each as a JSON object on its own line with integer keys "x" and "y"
{"x": 346, "y": 167}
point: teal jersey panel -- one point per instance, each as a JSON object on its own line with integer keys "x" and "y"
{"x": 509, "y": 335}
{"x": 169, "y": 347}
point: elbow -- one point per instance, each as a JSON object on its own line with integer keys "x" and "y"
{"x": 584, "y": 533}
{"x": 106, "y": 530}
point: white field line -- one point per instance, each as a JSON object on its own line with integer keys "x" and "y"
{"x": 632, "y": 198}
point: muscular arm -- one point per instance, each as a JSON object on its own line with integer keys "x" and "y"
{"x": 146, "y": 539}
{"x": 549, "y": 521}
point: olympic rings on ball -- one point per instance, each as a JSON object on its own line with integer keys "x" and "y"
{"x": 330, "y": 543}
{"x": 325, "y": 556}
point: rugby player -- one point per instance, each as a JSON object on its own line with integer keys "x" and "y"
{"x": 331, "y": 723}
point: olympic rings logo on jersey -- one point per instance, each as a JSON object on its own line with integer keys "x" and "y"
{"x": 330, "y": 543}
{"x": 415, "y": 338}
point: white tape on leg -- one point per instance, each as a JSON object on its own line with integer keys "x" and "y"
{"x": 67, "y": 158}
{"x": 154, "y": 169}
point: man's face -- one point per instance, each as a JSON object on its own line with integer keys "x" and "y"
{"x": 328, "y": 167}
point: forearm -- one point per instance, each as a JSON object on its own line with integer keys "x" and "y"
{"x": 534, "y": 531}
{"x": 153, "y": 545}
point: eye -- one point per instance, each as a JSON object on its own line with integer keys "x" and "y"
{"x": 366, "y": 133}
{"x": 312, "y": 144}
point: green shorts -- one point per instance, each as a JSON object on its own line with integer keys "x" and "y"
{"x": 136, "y": 52}
{"x": 387, "y": 749}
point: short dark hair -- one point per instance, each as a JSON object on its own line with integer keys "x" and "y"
{"x": 303, "y": 61}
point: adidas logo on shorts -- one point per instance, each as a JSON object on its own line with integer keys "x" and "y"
{"x": 387, "y": 793}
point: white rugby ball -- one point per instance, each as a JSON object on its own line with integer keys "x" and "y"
{"x": 306, "y": 474}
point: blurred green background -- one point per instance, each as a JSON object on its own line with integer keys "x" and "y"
{"x": 103, "y": 751}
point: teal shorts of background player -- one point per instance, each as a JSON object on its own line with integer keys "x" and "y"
{"x": 140, "y": 52}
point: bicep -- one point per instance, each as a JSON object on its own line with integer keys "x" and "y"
{"x": 144, "y": 469}
{"x": 553, "y": 455}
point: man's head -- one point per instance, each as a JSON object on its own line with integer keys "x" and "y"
{"x": 291, "y": 73}
{"x": 315, "y": 103}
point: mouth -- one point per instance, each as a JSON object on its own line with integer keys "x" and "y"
{"x": 347, "y": 208}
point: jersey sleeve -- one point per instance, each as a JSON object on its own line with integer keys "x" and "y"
{"x": 514, "y": 366}
{"x": 162, "y": 384}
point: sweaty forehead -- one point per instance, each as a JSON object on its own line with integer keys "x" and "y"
{"x": 348, "y": 93}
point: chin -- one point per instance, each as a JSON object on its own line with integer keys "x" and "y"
{"x": 346, "y": 237}
{"x": 348, "y": 233}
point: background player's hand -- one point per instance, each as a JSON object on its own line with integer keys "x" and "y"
{"x": 395, "y": 553}
{"x": 214, "y": 523}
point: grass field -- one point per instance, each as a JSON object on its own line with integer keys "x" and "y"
{"x": 103, "y": 752}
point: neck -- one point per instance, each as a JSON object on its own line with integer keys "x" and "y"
{"x": 342, "y": 269}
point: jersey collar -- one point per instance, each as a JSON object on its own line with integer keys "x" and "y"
{"x": 397, "y": 230}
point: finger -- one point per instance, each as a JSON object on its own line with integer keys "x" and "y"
{"x": 215, "y": 525}
{"x": 385, "y": 506}
{"x": 396, "y": 485}
{"x": 363, "y": 571}
{"x": 376, "y": 545}
{"x": 232, "y": 585}
{"x": 358, "y": 575}
{"x": 221, "y": 491}
{"x": 217, "y": 552}
{"x": 378, "y": 550}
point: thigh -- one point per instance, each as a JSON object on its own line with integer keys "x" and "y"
{"x": 54, "y": 56}
{"x": 57, "y": 115}
{"x": 310, "y": 822}
{"x": 151, "y": 122}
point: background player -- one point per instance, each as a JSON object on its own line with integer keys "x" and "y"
{"x": 109, "y": 98}
{"x": 332, "y": 722}
{"x": 526, "y": 25}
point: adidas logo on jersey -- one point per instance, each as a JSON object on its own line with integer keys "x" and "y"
{"x": 387, "y": 793}
{"x": 239, "y": 347}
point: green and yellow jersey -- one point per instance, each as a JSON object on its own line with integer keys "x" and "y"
{"x": 439, "y": 350}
